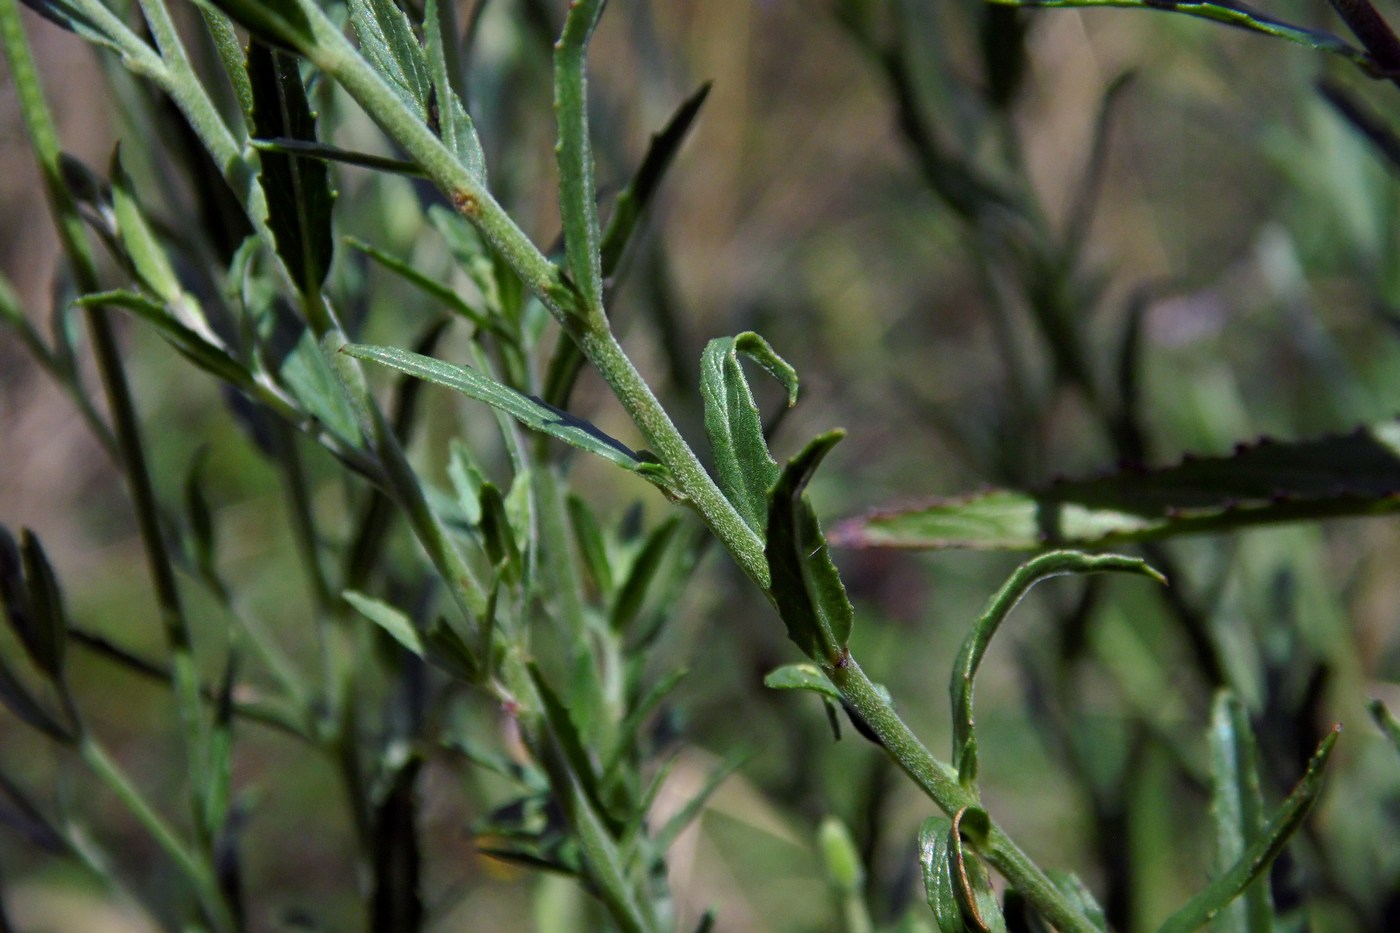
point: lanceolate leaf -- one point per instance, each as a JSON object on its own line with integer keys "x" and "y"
{"x": 633, "y": 200}
{"x": 806, "y": 587}
{"x": 1256, "y": 859}
{"x": 802, "y": 677}
{"x": 955, "y": 882}
{"x": 530, "y": 411}
{"x": 298, "y": 190}
{"x": 745, "y": 470}
{"x": 1262, "y": 483}
{"x": 45, "y": 635}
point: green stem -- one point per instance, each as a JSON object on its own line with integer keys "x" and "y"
{"x": 194, "y": 869}
{"x": 940, "y": 783}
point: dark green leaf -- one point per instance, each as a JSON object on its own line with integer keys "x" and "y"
{"x": 1255, "y": 861}
{"x": 529, "y": 410}
{"x": 396, "y": 902}
{"x": 1237, "y": 807}
{"x": 645, "y": 564}
{"x": 1262, "y": 483}
{"x": 280, "y": 23}
{"x": 578, "y": 205}
{"x": 743, "y": 466}
{"x": 389, "y": 45}
{"x": 802, "y": 676}
{"x": 497, "y": 535}
{"x": 935, "y": 858}
{"x": 567, "y": 734}
{"x": 974, "y": 647}
{"x": 955, "y": 882}
{"x": 301, "y": 148}
{"x": 298, "y": 190}
{"x": 45, "y": 627}
{"x": 633, "y": 200}
{"x": 201, "y": 520}
{"x": 17, "y": 698}
{"x": 806, "y": 587}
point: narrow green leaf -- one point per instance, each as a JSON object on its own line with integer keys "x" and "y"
{"x": 211, "y": 357}
{"x": 956, "y": 884}
{"x": 578, "y": 204}
{"x": 428, "y": 285}
{"x": 588, "y": 536}
{"x": 308, "y": 149}
{"x": 1237, "y": 807}
{"x": 214, "y": 794}
{"x": 672, "y": 829}
{"x": 1221, "y": 11}
{"x": 806, "y": 587}
{"x": 1266, "y": 482}
{"x": 567, "y": 733}
{"x": 645, "y": 565}
{"x": 44, "y": 629}
{"x": 399, "y": 626}
{"x": 298, "y": 190}
{"x": 17, "y": 699}
{"x": 1386, "y": 721}
{"x": 936, "y": 863}
{"x": 497, "y": 536}
{"x": 1256, "y": 859}
{"x": 314, "y": 381}
{"x": 138, "y": 239}
{"x": 629, "y": 731}
{"x": 802, "y": 676}
{"x": 744, "y": 468}
{"x": 389, "y": 45}
{"x": 974, "y": 647}
{"x": 454, "y": 126}
{"x": 633, "y": 200}
{"x": 528, "y": 410}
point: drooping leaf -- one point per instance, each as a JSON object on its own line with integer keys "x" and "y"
{"x": 387, "y": 42}
{"x": 391, "y": 620}
{"x": 744, "y": 468}
{"x": 530, "y": 411}
{"x": 1237, "y": 808}
{"x": 578, "y": 204}
{"x": 298, "y": 190}
{"x": 1267, "y": 482}
{"x": 805, "y": 585}
{"x": 1254, "y": 862}
{"x": 974, "y": 647}
{"x": 198, "y": 348}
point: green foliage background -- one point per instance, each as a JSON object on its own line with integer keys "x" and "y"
{"x": 1244, "y": 230}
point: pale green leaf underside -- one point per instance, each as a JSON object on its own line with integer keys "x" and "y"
{"x": 1268, "y": 482}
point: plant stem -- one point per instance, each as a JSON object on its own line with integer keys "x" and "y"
{"x": 190, "y": 864}
{"x": 940, "y": 783}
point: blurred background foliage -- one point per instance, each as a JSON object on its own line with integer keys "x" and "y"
{"x": 1223, "y": 211}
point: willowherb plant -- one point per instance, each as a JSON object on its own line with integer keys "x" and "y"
{"x": 517, "y": 637}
